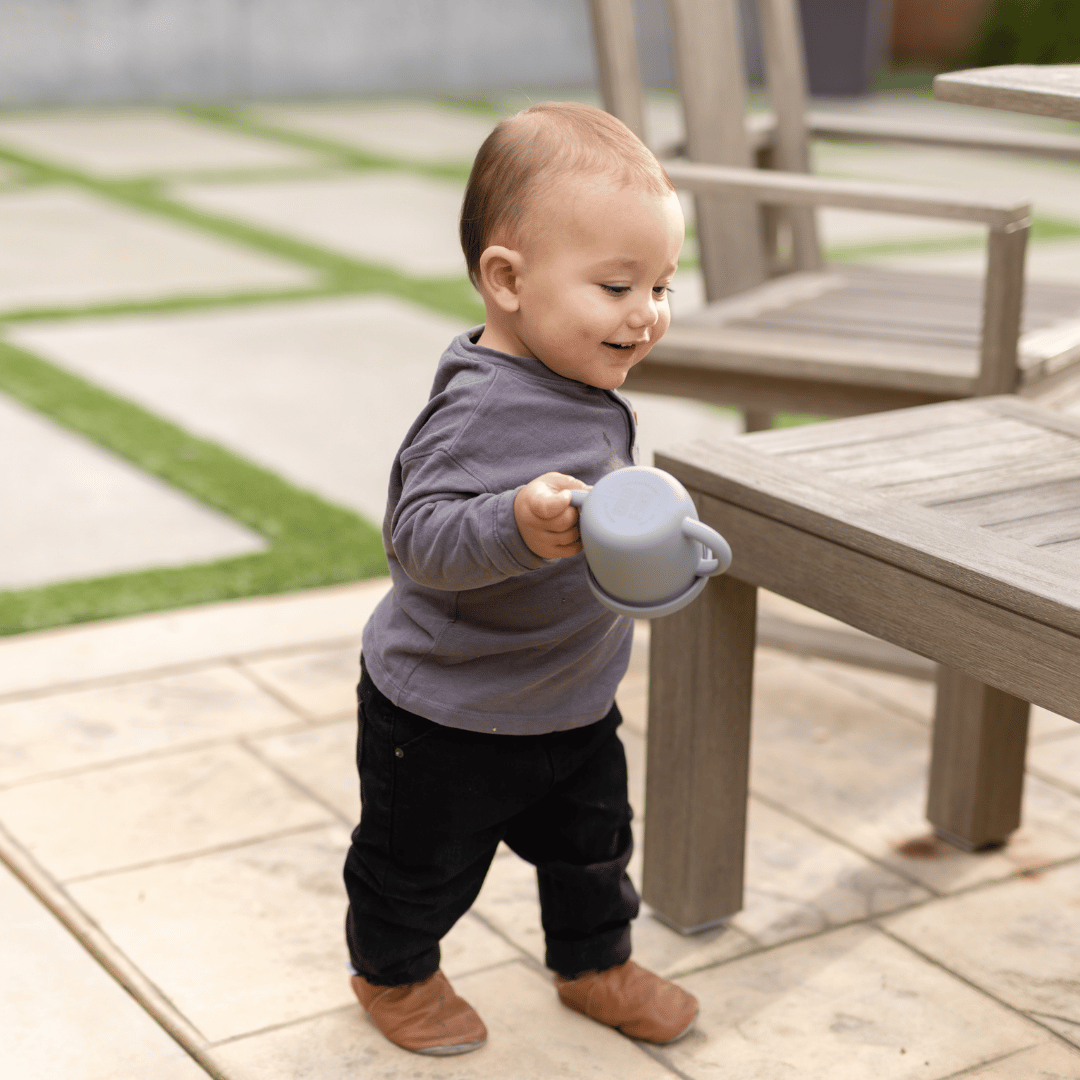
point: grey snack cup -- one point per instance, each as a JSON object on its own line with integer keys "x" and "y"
{"x": 644, "y": 545}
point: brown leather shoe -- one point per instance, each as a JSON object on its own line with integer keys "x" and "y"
{"x": 426, "y": 1017}
{"x": 632, "y": 999}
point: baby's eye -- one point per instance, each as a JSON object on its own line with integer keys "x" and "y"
{"x": 616, "y": 290}
{"x": 662, "y": 290}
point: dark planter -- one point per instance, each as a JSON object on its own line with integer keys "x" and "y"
{"x": 847, "y": 44}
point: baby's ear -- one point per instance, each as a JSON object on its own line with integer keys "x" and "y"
{"x": 499, "y": 272}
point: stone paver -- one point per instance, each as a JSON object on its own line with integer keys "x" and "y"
{"x": 64, "y": 1016}
{"x": 412, "y": 131}
{"x": 394, "y": 219}
{"x": 60, "y": 246}
{"x": 107, "y": 819}
{"x": 360, "y": 367}
{"x": 124, "y": 519}
{"x": 320, "y": 391}
{"x": 126, "y": 142}
{"x": 80, "y": 729}
{"x": 857, "y": 770}
{"x": 1019, "y": 941}
{"x": 843, "y": 1006}
{"x": 199, "y": 818}
{"x": 531, "y": 1037}
{"x": 239, "y": 939}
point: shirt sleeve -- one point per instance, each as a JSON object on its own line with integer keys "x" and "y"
{"x": 448, "y": 533}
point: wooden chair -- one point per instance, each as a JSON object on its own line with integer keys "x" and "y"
{"x": 783, "y": 331}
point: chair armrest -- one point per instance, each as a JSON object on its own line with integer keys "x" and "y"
{"x": 798, "y": 189}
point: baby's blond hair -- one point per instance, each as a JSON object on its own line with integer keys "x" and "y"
{"x": 527, "y": 151}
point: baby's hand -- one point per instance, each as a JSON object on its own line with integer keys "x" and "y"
{"x": 546, "y": 520}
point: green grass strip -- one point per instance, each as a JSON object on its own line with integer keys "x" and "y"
{"x": 235, "y": 119}
{"x": 339, "y": 274}
{"x": 311, "y": 541}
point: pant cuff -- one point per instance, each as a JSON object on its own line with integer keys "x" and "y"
{"x": 570, "y": 959}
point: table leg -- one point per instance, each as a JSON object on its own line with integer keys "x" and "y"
{"x": 700, "y": 677}
{"x": 977, "y": 764}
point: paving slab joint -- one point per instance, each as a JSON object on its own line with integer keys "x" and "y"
{"x": 105, "y": 952}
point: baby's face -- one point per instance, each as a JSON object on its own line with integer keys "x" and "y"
{"x": 593, "y": 294}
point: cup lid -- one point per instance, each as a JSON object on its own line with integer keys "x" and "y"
{"x": 637, "y": 500}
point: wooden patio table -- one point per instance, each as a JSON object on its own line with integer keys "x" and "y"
{"x": 952, "y": 530}
{"x": 1041, "y": 89}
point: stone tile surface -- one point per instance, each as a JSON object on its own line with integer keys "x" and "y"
{"x": 1058, "y": 759}
{"x": 393, "y": 219}
{"x": 124, "y": 519}
{"x": 857, "y": 771}
{"x": 799, "y": 882}
{"x": 72, "y": 654}
{"x": 1047, "y": 1061}
{"x": 69, "y": 731}
{"x": 126, "y": 142}
{"x": 319, "y": 391}
{"x": 1019, "y": 939}
{"x": 531, "y": 1036}
{"x": 323, "y": 760}
{"x": 64, "y": 1016}
{"x": 412, "y": 131}
{"x": 843, "y": 1006}
{"x": 64, "y": 247}
{"x": 318, "y": 684}
{"x": 239, "y": 940}
{"x": 149, "y": 811}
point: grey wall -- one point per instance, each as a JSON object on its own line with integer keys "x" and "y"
{"x": 131, "y": 50}
{"x": 206, "y": 50}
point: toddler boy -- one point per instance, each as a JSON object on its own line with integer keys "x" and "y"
{"x": 489, "y": 671}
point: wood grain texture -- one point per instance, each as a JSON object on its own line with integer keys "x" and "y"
{"x": 994, "y": 644}
{"x": 785, "y": 76}
{"x": 701, "y": 665}
{"x": 1002, "y": 305}
{"x": 925, "y": 542}
{"x": 924, "y": 367}
{"x": 1039, "y": 89}
{"x": 618, "y": 66}
{"x": 712, "y": 89}
{"x": 977, "y": 762}
{"x": 742, "y": 386}
{"x": 794, "y": 189}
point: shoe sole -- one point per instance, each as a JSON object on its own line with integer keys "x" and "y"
{"x": 447, "y": 1050}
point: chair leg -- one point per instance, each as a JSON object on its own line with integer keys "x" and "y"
{"x": 977, "y": 764}
{"x": 757, "y": 420}
{"x": 701, "y": 672}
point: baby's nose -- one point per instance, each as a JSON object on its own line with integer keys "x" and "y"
{"x": 645, "y": 313}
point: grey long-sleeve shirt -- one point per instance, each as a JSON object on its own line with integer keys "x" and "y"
{"x": 478, "y": 632}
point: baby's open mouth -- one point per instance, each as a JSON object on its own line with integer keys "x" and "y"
{"x": 617, "y": 345}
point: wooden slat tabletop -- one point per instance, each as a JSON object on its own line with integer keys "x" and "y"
{"x": 982, "y": 496}
{"x": 1040, "y": 89}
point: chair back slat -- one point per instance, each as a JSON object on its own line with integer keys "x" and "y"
{"x": 785, "y": 76}
{"x": 712, "y": 88}
{"x": 618, "y": 65}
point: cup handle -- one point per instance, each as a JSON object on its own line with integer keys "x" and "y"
{"x": 713, "y": 541}
{"x": 577, "y": 497}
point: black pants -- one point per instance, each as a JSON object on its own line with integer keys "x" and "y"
{"x": 436, "y": 801}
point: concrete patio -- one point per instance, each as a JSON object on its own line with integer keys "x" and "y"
{"x": 177, "y": 789}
